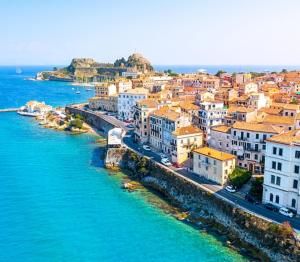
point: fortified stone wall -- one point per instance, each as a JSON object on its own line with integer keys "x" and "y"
{"x": 91, "y": 119}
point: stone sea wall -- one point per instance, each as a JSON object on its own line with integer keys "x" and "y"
{"x": 91, "y": 119}
{"x": 275, "y": 241}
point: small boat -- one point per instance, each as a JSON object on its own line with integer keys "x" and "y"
{"x": 77, "y": 92}
{"x": 88, "y": 89}
{"x": 19, "y": 70}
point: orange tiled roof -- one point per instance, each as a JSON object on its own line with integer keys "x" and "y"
{"x": 257, "y": 127}
{"x": 223, "y": 129}
{"x": 187, "y": 130}
{"x": 287, "y": 138}
{"x": 210, "y": 152}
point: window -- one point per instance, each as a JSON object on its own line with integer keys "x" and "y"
{"x": 297, "y": 154}
{"x": 294, "y": 203}
{"x": 264, "y": 147}
{"x": 255, "y": 156}
{"x": 295, "y": 184}
{"x": 296, "y": 169}
{"x": 272, "y": 179}
{"x": 257, "y": 136}
{"x": 256, "y": 147}
{"x": 215, "y": 162}
{"x": 279, "y": 165}
{"x": 280, "y": 151}
{"x": 199, "y": 157}
{"x": 277, "y": 199}
{"x": 248, "y": 135}
{"x": 264, "y": 137}
{"x": 278, "y": 179}
{"x": 271, "y": 197}
{"x": 234, "y": 133}
{"x": 274, "y": 150}
{"x": 273, "y": 165}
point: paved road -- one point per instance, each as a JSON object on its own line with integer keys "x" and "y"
{"x": 234, "y": 197}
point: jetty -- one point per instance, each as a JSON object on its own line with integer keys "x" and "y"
{"x": 4, "y": 110}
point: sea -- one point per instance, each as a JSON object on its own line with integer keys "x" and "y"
{"x": 58, "y": 203}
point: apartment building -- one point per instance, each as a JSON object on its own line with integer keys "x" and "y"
{"x": 220, "y": 138}
{"x": 248, "y": 144}
{"x": 109, "y": 103}
{"x": 211, "y": 113}
{"x": 105, "y": 89}
{"x": 142, "y": 111}
{"x": 282, "y": 171}
{"x": 184, "y": 140}
{"x": 213, "y": 165}
{"x": 162, "y": 124}
{"x": 247, "y": 88}
{"x": 127, "y": 100}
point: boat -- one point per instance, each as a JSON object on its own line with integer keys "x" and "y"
{"x": 88, "y": 89}
{"x": 19, "y": 70}
{"x": 77, "y": 92}
{"x": 32, "y": 114}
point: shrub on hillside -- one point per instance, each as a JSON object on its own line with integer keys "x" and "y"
{"x": 239, "y": 177}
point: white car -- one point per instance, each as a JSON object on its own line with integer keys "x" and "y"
{"x": 284, "y": 211}
{"x": 230, "y": 189}
{"x": 162, "y": 155}
{"x": 166, "y": 162}
{"x": 147, "y": 148}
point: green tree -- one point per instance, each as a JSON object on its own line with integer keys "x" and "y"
{"x": 218, "y": 74}
{"x": 256, "y": 189}
{"x": 239, "y": 177}
{"x": 77, "y": 123}
{"x": 283, "y": 70}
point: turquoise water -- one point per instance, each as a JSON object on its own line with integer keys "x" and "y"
{"x": 57, "y": 203}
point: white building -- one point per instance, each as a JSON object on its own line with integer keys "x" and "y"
{"x": 127, "y": 100}
{"x": 282, "y": 171}
{"x": 248, "y": 144}
{"x": 211, "y": 114}
{"x": 220, "y": 138}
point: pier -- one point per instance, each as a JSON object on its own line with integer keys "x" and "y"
{"x": 4, "y": 110}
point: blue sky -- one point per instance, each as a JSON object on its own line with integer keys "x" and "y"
{"x": 207, "y": 32}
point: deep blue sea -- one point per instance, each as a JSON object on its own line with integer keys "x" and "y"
{"x": 57, "y": 203}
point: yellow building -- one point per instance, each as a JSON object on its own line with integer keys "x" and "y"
{"x": 213, "y": 165}
{"x": 184, "y": 140}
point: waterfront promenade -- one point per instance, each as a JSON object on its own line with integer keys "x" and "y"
{"x": 234, "y": 198}
{"x": 5, "y": 110}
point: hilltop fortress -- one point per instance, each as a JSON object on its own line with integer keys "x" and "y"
{"x": 87, "y": 69}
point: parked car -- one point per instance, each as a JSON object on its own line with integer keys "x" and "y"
{"x": 230, "y": 189}
{"x": 251, "y": 199}
{"x": 146, "y": 147}
{"x": 166, "y": 162}
{"x": 271, "y": 207}
{"x": 162, "y": 155}
{"x": 177, "y": 165}
{"x": 286, "y": 212}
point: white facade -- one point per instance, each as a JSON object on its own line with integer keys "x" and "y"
{"x": 211, "y": 114}
{"x": 282, "y": 175}
{"x": 127, "y": 101}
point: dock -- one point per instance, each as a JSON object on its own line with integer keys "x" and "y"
{"x": 4, "y": 110}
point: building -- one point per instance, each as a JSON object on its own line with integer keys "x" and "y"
{"x": 184, "y": 140}
{"x": 211, "y": 113}
{"x": 109, "y": 103}
{"x": 241, "y": 78}
{"x": 162, "y": 124}
{"x": 114, "y": 137}
{"x": 220, "y": 138}
{"x": 282, "y": 170}
{"x": 248, "y": 143}
{"x": 105, "y": 89}
{"x": 127, "y": 100}
{"x": 123, "y": 85}
{"x": 213, "y": 165}
{"x": 247, "y": 88}
{"x": 142, "y": 110}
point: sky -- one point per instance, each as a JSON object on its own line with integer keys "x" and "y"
{"x": 167, "y": 32}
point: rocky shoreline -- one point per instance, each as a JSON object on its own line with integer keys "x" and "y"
{"x": 253, "y": 237}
